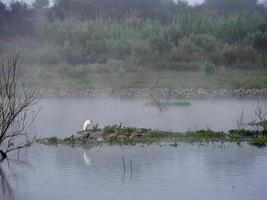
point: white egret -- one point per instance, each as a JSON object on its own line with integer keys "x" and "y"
{"x": 88, "y": 124}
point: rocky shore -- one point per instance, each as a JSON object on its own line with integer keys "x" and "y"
{"x": 160, "y": 92}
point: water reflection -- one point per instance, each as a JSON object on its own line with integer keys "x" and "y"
{"x": 6, "y": 191}
{"x": 86, "y": 159}
{"x": 188, "y": 172}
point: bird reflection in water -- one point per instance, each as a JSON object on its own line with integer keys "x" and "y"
{"x": 86, "y": 159}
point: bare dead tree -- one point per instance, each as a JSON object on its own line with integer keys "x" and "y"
{"x": 260, "y": 112}
{"x": 16, "y": 108}
{"x": 260, "y": 123}
{"x": 240, "y": 121}
{"x": 159, "y": 99}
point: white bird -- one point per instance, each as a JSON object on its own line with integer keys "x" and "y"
{"x": 88, "y": 124}
{"x": 86, "y": 159}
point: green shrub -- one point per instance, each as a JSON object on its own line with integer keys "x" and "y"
{"x": 259, "y": 141}
{"x": 241, "y": 56}
{"x": 208, "y": 67}
{"x": 78, "y": 72}
{"x": 204, "y": 42}
{"x": 259, "y": 39}
{"x": 117, "y": 67}
{"x": 72, "y": 55}
{"x": 160, "y": 43}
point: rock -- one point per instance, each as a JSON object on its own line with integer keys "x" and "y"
{"x": 99, "y": 139}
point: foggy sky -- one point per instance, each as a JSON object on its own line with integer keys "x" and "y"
{"x": 192, "y": 2}
{"x": 30, "y": 1}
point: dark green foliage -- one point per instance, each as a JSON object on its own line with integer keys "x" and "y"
{"x": 49, "y": 141}
{"x": 259, "y": 39}
{"x": 259, "y": 141}
{"x": 240, "y": 56}
{"x": 208, "y": 67}
{"x": 154, "y": 34}
{"x": 160, "y": 43}
{"x": 242, "y": 133}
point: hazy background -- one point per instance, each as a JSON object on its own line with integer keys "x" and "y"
{"x": 30, "y": 1}
{"x": 138, "y": 43}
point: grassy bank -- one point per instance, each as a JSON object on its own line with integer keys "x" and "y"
{"x": 51, "y": 77}
{"x": 120, "y": 135}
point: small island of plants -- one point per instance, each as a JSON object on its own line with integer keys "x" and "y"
{"x": 122, "y": 135}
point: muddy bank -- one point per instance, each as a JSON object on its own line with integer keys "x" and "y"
{"x": 162, "y": 92}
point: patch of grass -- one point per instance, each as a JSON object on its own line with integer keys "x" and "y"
{"x": 260, "y": 141}
{"x": 176, "y": 103}
{"x": 49, "y": 77}
{"x": 179, "y": 103}
{"x": 121, "y": 135}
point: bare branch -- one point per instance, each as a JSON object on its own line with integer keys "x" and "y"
{"x": 16, "y": 113}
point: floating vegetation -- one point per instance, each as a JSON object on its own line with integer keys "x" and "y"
{"x": 176, "y": 103}
{"x": 122, "y": 135}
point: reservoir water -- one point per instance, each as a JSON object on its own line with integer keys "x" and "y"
{"x": 151, "y": 172}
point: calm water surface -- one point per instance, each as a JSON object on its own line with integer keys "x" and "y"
{"x": 186, "y": 172}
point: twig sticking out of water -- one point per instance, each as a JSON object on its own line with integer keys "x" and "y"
{"x": 123, "y": 163}
{"x": 240, "y": 120}
{"x": 131, "y": 166}
{"x": 124, "y": 168}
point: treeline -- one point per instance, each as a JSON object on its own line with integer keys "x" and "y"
{"x": 17, "y": 19}
{"x": 133, "y": 34}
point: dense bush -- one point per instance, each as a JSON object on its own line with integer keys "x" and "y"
{"x": 239, "y": 56}
{"x": 259, "y": 39}
{"x": 208, "y": 68}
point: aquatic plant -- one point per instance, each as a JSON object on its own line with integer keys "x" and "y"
{"x": 175, "y": 103}
{"x": 260, "y": 141}
{"x": 123, "y": 135}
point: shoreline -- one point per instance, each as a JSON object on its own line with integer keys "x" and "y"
{"x": 199, "y": 93}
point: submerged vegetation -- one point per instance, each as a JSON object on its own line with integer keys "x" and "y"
{"x": 120, "y": 135}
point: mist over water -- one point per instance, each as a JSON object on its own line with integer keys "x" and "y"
{"x": 65, "y": 116}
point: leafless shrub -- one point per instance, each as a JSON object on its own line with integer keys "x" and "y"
{"x": 260, "y": 123}
{"x": 260, "y": 112}
{"x": 16, "y": 108}
{"x": 240, "y": 121}
{"x": 159, "y": 99}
